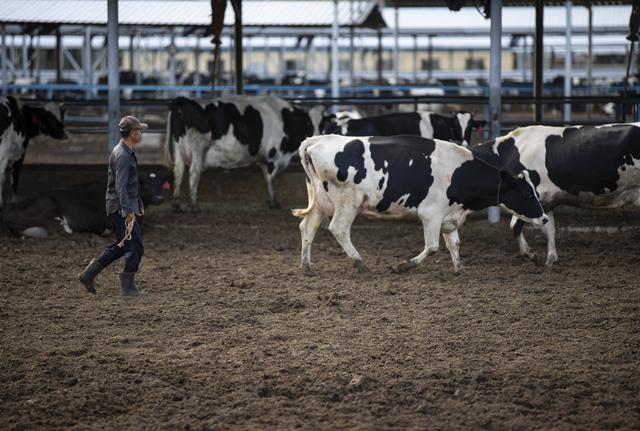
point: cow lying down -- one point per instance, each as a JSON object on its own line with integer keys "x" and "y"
{"x": 392, "y": 177}
{"x": 78, "y": 208}
{"x": 594, "y": 167}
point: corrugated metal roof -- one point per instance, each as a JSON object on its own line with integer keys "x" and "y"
{"x": 187, "y": 13}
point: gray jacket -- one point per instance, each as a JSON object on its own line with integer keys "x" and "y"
{"x": 123, "y": 188}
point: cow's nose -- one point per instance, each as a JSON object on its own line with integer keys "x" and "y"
{"x": 545, "y": 220}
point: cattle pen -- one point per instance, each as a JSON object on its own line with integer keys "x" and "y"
{"x": 236, "y": 327}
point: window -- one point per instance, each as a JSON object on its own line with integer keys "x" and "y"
{"x": 433, "y": 64}
{"x": 474, "y": 64}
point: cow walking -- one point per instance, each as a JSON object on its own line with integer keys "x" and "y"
{"x": 456, "y": 128}
{"x": 233, "y": 132}
{"x": 581, "y": 166}
{"x": 18, "y": 124}
{"x": 392, "y": 177}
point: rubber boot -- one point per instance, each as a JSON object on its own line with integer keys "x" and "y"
{"x": 127, "y": 284}
{"x": 89, "y": 274}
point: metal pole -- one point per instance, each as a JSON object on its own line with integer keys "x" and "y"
{"x": 538, "y": 61}
{"x": 396, "y": 48}
{"x": 59, "y": 58}
{"x": 351, "y": 42}
{"x": 87, "y": 66}
{"x": 415, "y": 58}
{"x": 237, "y": 8}
{"x": 567, "y": 64}
{"x": 379, "y": 66}
{"x": 113, "y": 74}
{"x": 5, "y": 66}
{"x": 196, "y": 80}
{"x": 335, "y": 60}
{"x": 131, "y": 68}
{"x": 590, "y": 61}
{"x": 495, "y": 71}
{"x": 25, "y": 57}
{"x": 137, "y": 58}
{"x": 172, "y": 60}
{"x": 430, "y": 57}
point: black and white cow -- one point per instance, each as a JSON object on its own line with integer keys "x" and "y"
{"x": 233, "y": 132}
{"x": 392, "y": 177}
{"x": 581, "y": 166}
{"x": 456, "y": 128}
{"x": 78, "y": 208}
{"x": 18, "y": 124}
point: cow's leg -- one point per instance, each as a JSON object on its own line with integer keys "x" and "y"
{"x": 517, "y": 227}
{"x": 431, "y": 230}
{"x": 269, "y": 172}
{"x": 178, "y": 172}
{"x": 308, "y": 228}
{"x": 549, "y": 230}
{"x": 195, "y": 171}
{"x": 452, "y": 239}
{"x": 15, "y": 172}
{"x": 340, "y": 227}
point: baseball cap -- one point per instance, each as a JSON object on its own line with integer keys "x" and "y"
{"x": 129, "y": 122}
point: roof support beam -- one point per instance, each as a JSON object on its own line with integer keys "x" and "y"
{"x": 113, "y": 74}
{"x": 495, "y": 84}
{"x": 538, "y": 61}
{"x": 3, "y": 56}
{"x": 567, "y": 65}
{"x": 335, "y": 60}
{"x": 237, "y": 8}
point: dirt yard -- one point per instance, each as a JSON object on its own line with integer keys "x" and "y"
{"x": 231, "y": 335}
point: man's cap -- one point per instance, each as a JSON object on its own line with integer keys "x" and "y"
{"x": 130, "y": 122}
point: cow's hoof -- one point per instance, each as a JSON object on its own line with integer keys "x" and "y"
{"x": 361, "y": 267}
{"x": 307, "y": 269}
{"x": 459, "y": 270}
{"x": 403, "y": 267}
{"x": 551, "y": 260}
{"x": 274, "y": 205}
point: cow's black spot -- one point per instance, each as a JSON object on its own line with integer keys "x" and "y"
{"x": 297, "y": 127}
{"x": 270, "y": 167}
{"x": 392, "y": 156}
{"x": 247, "y": 127}
{"x": 326, "y": 186}
{"x": 587, "y": 159}
{"x": 351, "y": 156}
{"x": 381, "y": 183}
{"x": 403, "y": 123}
{"x": 445, "y": 127}
{"x": 272, "y": 153}
{"x": 508, "y": 158}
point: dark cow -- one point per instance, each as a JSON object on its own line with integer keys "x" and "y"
{"x": 391, "y": 177}
{"x": 581, "y": 166}
{"x": 18, "y": 124}
{"x": 456, "y": 128}
{"x": 78, "y": 208}
{"x": 233, "y": 132}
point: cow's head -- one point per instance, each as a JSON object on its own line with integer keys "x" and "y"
{"x": 152, "y": 184}
{"x": 517, "y": 194}
{"x": 319, "y": 119}
{"x": 48, "y": 120}
{"x": 463, "y": 125}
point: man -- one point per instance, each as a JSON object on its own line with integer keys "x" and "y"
{"x": 124, "y": 208}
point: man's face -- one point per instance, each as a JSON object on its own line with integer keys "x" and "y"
{"x": 136, "y": 135}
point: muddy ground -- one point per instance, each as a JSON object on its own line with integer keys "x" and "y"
{"x": 231, "y": 335}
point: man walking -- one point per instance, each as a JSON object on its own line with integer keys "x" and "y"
{"x": 124, "y": 208}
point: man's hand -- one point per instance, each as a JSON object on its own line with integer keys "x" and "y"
{"x": 142, "y": 211}
{"x": 130, "y": 218}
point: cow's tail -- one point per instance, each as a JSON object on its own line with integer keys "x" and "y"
{"x": 310, "y": 177}
{"x": 168, "y": 142}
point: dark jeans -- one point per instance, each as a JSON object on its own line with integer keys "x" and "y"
{"x": 132, "y": 250}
